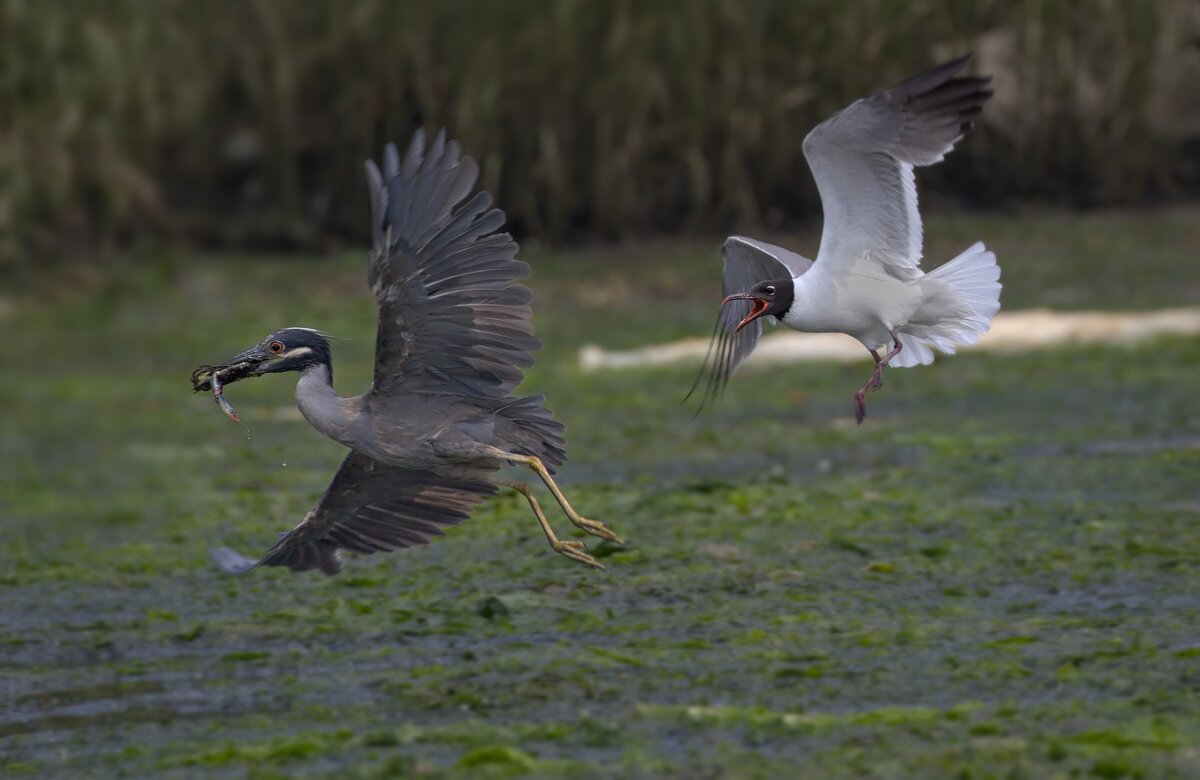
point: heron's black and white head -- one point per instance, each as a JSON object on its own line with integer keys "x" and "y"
{"x": 290, "y": 349}
{"x": 773, "y": 296}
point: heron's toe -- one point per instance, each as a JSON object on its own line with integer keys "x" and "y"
{"x": 597, "y": 528}
{"x": 577, "y": 551}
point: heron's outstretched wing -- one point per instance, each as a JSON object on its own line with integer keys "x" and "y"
{"x": 450, "y": 317}
{"x": 863, "y": 156}
{"x": 369, "y": 507}
{"x": 747, "y": 262}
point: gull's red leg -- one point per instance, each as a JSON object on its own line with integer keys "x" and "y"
{"x": 895, "y": 350}
{"x": 876, "y": 380}
{"x": 881, "y": 364}
{"x": 877, "y": 377}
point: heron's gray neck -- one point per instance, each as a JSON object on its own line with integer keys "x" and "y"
{"x": 324, "y": 409}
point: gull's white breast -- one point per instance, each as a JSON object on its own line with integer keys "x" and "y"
{"x": 865, "y": 303}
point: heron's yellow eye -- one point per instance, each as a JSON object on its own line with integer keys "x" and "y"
{"x": 276, "y": 347}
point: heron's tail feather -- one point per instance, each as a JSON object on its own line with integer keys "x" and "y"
{"x": 962, "y": 297}
{"x": 231, "y": 561}
{"x": 538, "y": 433}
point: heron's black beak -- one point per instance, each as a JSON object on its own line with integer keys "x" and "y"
{"x": 760, "y": 307}
{"x": 255, "y": 361}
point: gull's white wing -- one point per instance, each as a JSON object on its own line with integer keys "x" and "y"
{"x": 863, "y": 156}
{"x": 747, "y": 262}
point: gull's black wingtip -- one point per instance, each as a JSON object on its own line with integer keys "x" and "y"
{"x": 231, "y": 561}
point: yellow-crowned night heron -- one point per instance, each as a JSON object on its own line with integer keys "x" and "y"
{"x": 440, "y": 418}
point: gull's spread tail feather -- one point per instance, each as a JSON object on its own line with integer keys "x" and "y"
{"x": 961, "y": 298}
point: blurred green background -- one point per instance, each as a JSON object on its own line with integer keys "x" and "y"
{"x": 998, "y": 575}
{"x": 245, "y": 124}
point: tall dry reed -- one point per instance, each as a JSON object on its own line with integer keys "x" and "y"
{"x": 246, "y": 123}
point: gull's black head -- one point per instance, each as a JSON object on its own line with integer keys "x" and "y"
{"x": 290, "y": 349}
{"x": 773, "y": 296}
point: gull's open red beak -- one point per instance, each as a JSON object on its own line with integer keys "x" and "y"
{"x": 760, "y": 308}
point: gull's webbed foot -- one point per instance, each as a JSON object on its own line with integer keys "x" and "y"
{"x": 860, "y": 406}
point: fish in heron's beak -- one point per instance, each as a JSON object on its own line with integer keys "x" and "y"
{"x": 255, "y": 361}
{"x": 760, "y": 307}
{"x": 290, "y": 349}
{"x": 252, "y": 362}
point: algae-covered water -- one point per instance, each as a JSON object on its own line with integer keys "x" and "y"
{"x": 998, "y": 575}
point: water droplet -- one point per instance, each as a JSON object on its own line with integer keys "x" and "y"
{"x": 284, "y": 463}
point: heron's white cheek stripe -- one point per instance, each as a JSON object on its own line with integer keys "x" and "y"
{"x": 299, "y": 352}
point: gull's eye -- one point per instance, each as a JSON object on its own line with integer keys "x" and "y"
{"x": 276, "y": 347}
{"x": 769, "y": 289}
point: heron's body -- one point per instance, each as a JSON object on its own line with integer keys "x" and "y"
{"x": 441, "y": 416}
{"x": 867, "y": 281}
{"x": 424, "y": 430}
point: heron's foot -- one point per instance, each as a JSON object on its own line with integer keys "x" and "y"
{"x": 860, "y": 405}
{"x": 877, "y": 378}
{"x": 597, "y": 528}
{"x": 576, "y": 551}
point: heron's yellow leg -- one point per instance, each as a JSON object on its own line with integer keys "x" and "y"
{"x": 593, "y": 527}
{"x": 576, "y": 551}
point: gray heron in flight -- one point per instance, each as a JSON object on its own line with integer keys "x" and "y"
{"x": 867, "y": 281}
{"x": 441, "y": 416}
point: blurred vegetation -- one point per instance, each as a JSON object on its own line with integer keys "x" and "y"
{"x": 245, "y": 124}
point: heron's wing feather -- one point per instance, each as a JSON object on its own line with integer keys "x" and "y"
{"x": 369, "y": 507}
{"x": 863, "y": 156}
{"x": 747, "y": 262}
{"x": 450, "y": 317}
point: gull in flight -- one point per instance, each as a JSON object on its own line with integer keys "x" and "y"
{"x": 867, "y": 281}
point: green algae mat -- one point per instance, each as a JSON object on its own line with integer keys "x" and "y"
{"x": 998, "y": 575}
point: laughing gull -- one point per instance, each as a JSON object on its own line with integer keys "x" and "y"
{"x": 867, "y": 281}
